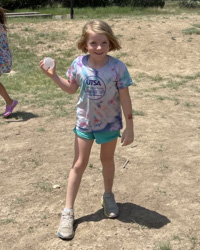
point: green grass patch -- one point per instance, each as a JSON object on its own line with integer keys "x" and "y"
{"x": 6, "y": 221}
{"x": 138, "y": 113}
{"x": 191, "y": 31}
{"x": 173, "y": 84}
{"x": 197, "y": 25}
{"x": 164, "y": 246}
{"x": 163, "y": 98}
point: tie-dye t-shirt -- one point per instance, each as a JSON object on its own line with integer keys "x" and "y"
{"x": 98, "y": 107}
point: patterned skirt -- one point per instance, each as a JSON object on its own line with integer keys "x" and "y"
{"x": 5, "y": 62}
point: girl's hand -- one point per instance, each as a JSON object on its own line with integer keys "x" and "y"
{"x": 48, "y": 72}
{"x": 127, "y": 137}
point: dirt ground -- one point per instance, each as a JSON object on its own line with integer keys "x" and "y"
{"x": 158, "y": 192}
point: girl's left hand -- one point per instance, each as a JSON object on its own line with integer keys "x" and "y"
{"x": 127, "y": 137}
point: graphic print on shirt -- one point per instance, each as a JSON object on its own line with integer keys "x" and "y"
{"x": 94, "y": 87}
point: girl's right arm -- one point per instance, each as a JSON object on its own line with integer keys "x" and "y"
{"x": 63, "y": 83}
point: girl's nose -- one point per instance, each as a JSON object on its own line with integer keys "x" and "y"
{"x": 98, "y": 46}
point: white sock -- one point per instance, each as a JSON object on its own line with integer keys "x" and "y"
{"x": 68, "y": 210}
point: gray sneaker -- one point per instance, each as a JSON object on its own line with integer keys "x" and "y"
{"x": 66, "y": 229}
{"x": 111, "y": 210}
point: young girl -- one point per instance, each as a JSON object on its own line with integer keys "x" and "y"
{"x": 103, "y": 82}
{"x": 5, "y": 63}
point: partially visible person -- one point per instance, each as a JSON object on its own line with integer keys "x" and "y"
{"x": 5, "y": 63}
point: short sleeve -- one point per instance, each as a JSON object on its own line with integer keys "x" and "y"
{"x": 124, "y": 79}
{"x": 72, "y": 72}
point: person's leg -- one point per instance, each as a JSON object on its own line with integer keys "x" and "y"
{"x": 5, "y": 95}
{"x": 111, "y": 210}
{"x": 10, "y": 103}
{"x": 82, "y": 148}
{"x": 107, "y": 160}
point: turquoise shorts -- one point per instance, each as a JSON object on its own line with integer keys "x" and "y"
{"x": 100, "y": 137}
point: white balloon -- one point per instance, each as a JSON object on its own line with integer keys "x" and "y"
{"x": 48, "y": 63}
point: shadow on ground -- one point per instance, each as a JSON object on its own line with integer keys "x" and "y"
{"x": 130, "y": 213}
{"x": 20, "y": 116}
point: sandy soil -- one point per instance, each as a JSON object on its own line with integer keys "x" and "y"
{"x": 158, "y": 192}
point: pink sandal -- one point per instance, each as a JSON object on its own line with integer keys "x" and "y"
{"x": 9, "y": 109}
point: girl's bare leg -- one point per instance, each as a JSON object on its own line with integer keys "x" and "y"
{"x": 5, "y": 95}
{"x": 107, "y": 160}
{"x": 82, "y": 148}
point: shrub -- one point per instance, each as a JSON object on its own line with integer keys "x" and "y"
{"x": 122, "y": 3}
{"x": 17, "y": 4}
{"x": 190, "y": 3}
{"x": 86, "y": 3}
{"x": 148, "y": 3}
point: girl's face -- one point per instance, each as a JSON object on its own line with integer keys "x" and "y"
{"x": 97, "y": 45}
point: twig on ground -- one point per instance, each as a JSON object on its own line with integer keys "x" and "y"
{"x": 125, "y": 163}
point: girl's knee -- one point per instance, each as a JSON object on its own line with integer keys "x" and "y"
{"x": 79, "y": 167}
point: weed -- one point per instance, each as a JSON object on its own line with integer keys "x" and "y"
{"x": 138, "y": 113}
{"x": 6, "y": 221}
{"x": 18, "y": 202}
{"x": 193, "y": 241}
{"x": 165, "y": 165}
{"x": 162, "y": 98}
{"x": 27, "y": 29}
{"x": 164, "y": 246}
{"x": 188, "y": 105}
{"x": 129, "y": 65}
{"x": 173, "y": 84}
{"x": 190, "y": 31}
{"x": 45, "y": 186}
{"x": 157, "y": 78}
{"x": 35, "y": 162}
{"x": 91, "y": 166}
{"x": 196, "y": 88}
{"x": 176, "y": 101}
{"x": 41, "y": 129}
{"x": 139, "y": 77}
{"x": 176, "y": 237}
{"x": 3, "y": 160}
{"x": 30, "y": 229}
{"x": 120, "y": 55}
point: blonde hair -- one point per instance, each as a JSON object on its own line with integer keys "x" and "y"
{"x": 99, "y": 27}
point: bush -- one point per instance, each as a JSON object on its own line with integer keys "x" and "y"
{"x": 100, "y": 3}
{"x": 148, "y": 3}
{"x": 17, "y": 4}
{"x": 86, "y": 3}
{"x": 122, "y": 3}
{"x": 190, "y": 3}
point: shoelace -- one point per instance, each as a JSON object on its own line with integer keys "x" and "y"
{"x": 67, "y": 220}
{"x": 111, "y": 202}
